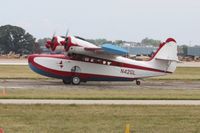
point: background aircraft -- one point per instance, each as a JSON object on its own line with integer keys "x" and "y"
{"x": 83, "y": 61}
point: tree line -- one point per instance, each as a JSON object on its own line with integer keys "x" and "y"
{"x": 16, "y": 39}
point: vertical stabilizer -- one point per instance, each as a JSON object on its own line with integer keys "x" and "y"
{"x": 166, "y": 56}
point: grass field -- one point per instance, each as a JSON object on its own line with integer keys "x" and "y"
{"x": 183, "y": 73}
{"x": 99, "y": 119}
{"x": 111, "y": 94}
{"x": 17, "y": 72}
{"x": 24, "y": 72}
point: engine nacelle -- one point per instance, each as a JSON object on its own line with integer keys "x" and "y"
{"x": 56, "y": 44}
{"x": 65, "y": 43}
{"x": 77, "y": 50}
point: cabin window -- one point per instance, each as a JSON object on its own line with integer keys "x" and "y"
{"x": 108, "y": 63}
{"x": 92, "y": 60}
{"x": 87, "y": 59}
{"x": 99, "y": 61}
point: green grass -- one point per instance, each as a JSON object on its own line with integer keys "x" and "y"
{"x": 99, "y": 119}
{"x": 111, "y": 94}
{"x": 183, "y": 73}
{"x": 24, "y": 72}
{"x": 17, "y": 72}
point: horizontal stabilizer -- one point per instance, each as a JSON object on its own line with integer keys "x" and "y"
{"x": 168, "y": 59}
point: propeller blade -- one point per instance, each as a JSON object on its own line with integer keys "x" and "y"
{"x": 67, "y": 33}
{"x": 47, "y": 45}
{"x": 63, "y": 42}
{"x": 53, "y": 36}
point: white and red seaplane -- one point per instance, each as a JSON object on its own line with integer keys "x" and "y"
{"x": 83, "y": 61}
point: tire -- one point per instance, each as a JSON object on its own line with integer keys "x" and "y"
{"x": 76, "y": 80}
{"x": 138, "y": 82}
{"x": 67, "y": 82}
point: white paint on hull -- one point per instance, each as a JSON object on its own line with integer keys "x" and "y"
{"x": 92, "y": 68}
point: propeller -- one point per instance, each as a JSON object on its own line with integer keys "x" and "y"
{"x": 67, "y": 33}
{"x": 53, "y": 37}
{"x": 65, "y": 42}
{"x": 51, "y": 44}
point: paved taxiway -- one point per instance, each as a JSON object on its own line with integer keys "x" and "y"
{"x": 55, "y": 84}
{"x": 101, "y": 102}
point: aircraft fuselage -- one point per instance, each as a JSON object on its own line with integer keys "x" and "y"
{"x": 91, "y": 68}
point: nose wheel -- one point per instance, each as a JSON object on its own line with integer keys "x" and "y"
{"x": 138, "y": 82}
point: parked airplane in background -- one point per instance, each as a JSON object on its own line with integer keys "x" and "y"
{"x": 83, "y": 61}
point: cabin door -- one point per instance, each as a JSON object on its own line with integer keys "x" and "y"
{"x": 75, "y": 70}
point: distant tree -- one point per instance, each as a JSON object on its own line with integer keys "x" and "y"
{"x": 119, "y": 42}
{"x": 41, "y": 44}
{"x": 150, "y": 42}
{"x": 184, "y": 49}
{"x": 16, "y": 39}
{"x": 99, "y": 41}
{"x": 91, "y": 41}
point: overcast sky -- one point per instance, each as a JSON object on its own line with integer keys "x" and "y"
{"x": 130, "y": 20}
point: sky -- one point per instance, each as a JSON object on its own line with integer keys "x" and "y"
{"x": 130, "y": 20}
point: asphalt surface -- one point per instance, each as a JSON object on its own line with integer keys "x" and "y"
{"x": 101, "y": 102}
{"x": 52, "y": 84}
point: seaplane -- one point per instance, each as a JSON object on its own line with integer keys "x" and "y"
{"x": 82, "y": 61}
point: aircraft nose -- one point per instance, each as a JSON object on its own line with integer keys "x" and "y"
{"x": 31, "y": 58}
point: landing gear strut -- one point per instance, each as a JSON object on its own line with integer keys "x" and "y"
{"x": 138, "y": 82}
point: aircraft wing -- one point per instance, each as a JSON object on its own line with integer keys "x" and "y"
{"x": 75, "y": 44}
{"x": 109, "y": 49}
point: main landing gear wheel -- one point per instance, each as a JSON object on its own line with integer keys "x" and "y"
{"x": 138, "y": 82}
{"x": 76, "y": 80}
{"x": 66, "y": 81}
